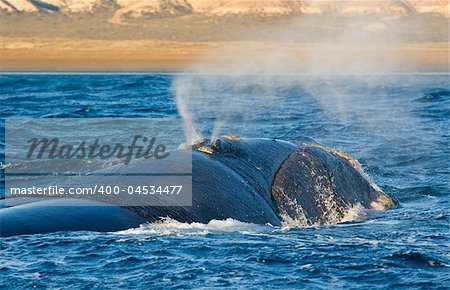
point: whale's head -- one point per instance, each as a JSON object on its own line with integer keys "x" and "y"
{"x": 307, "y": 182}
{"x": 320, "y": 185}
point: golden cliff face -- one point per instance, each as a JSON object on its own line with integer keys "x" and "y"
{"x": 388, "y": 7}
{"x": 145, "y": 8}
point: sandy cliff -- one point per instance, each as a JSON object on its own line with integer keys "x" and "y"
{"x": 162, "y": 8}
{"x": 171, "y": 34}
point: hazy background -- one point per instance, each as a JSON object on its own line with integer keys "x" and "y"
{"x": 173, "y": 34}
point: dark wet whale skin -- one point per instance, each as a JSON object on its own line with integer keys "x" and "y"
{"x": 250, "y": 180}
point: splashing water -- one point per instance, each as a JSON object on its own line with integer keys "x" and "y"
{"x": 168, "y": 226}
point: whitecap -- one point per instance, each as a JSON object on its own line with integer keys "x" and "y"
{"x": 168, "y": 226}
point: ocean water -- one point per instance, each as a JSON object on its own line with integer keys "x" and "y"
{"x": 396, "y": 126}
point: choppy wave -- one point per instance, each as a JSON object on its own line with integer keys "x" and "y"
{"x": 168, "y": 226}
{"x": 396, "y": 128}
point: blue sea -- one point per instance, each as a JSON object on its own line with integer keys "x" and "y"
{"x": 395, "y": 125}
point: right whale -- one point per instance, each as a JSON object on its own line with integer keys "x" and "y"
{"x": 263, "y": 181}
{"x": 268, "y": 181}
